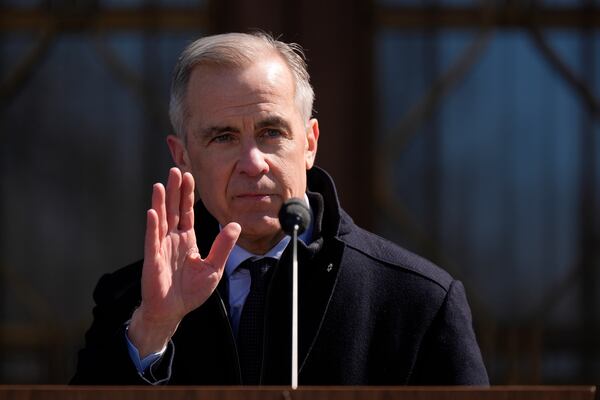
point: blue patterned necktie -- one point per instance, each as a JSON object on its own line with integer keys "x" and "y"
{"x": 252, "y": 321}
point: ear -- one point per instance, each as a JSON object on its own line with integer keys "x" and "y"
{"x": 312, "y": 138}
{"x": 179, "y": 153}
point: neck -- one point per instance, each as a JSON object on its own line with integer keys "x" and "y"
{"x": 259, "y": 246}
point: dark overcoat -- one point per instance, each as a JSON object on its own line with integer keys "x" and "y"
{"x": 370, "y": 313}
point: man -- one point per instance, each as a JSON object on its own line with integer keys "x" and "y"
{"x": 370, "y": 312}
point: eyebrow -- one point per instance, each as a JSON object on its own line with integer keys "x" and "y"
{"x": 212, "y": 131}
{"x": 271, "y": 121}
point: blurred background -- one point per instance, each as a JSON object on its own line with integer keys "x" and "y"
{"x": 465, "y": 130}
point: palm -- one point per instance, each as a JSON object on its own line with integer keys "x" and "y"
{"x": 176, "y": 283}
{"x": 175, "y": 279}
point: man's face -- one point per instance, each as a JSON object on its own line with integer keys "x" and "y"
{"x": 248, "y": 146}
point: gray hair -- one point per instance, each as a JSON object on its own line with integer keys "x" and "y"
{"x": 235, "y": 50}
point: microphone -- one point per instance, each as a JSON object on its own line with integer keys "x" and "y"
{"x": 294, "y": 212}
{"x": 294, "y": 218}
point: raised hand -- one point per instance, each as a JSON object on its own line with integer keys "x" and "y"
{"x": 175, "y": 278}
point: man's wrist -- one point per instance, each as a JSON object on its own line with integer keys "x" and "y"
{"x": 148, "y": 335}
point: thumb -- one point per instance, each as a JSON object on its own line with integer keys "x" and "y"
{"x": 223, "y": 244}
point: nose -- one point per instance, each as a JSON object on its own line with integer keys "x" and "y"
{"x": 252, "y": 161}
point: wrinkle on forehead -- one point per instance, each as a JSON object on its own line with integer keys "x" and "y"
{"x": 269, "y": 76}
{"x": 266, "y": 86}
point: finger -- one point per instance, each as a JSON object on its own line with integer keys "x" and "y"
{"x": 158, "y": 205}
{"x": 152, "y": 239}
{"x": 186, "y": 211}
{"x": 223, "y": 244}
{"x": 173, "y": 198}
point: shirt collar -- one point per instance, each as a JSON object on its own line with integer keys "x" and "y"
{"x": 238, "y": 255}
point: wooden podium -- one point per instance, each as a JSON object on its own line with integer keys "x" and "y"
{"x": 303, "y": 393}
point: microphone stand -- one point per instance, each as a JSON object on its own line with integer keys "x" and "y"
{"x": 294, "y": 217}
{"x": 295, "y": 308}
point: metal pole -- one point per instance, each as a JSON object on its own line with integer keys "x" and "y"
{"x": 295, "y": 308}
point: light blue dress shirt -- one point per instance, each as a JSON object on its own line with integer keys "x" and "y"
{"x": 239, "y": 287}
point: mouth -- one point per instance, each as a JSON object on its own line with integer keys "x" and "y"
{"x": 254, "y": 196}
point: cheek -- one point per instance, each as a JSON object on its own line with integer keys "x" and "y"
{"x": 211, "y": 182}
{"x": 292, "y": 176}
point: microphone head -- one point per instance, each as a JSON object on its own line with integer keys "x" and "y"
{"x": 294, "y": 212}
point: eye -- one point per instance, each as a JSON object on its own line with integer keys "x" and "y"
{"x": 272, "y": 133}
{"x": 222, "y": 138}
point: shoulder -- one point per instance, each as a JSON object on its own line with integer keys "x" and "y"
{"x": 122, "y": 284}
{"x": 369, "y": 249}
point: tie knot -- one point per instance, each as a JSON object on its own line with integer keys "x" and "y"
{"x": 258, "y": 267}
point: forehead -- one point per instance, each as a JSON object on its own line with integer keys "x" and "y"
{"x": 221, "y": 92}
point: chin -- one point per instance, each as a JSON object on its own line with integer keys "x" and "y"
{"x": 264, "y": 226}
